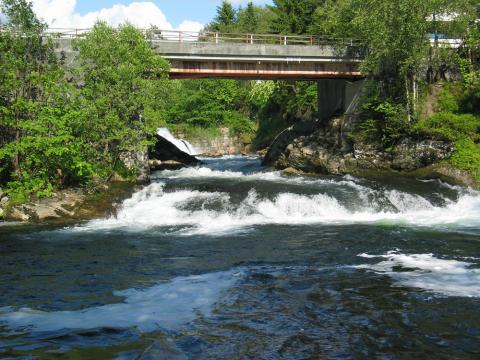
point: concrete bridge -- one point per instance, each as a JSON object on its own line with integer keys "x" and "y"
{"x": 334, "y": 63}
{"x": 260, "y": 57}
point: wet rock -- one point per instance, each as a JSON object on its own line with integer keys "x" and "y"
{"x": 19, "y": 213}
{"x": 156, "y": 165}
{"x": 448, "y": 173}
{"x": 328, "y": 149}
{"x": 73, "y": 205}
{"x": 291, "y": 171}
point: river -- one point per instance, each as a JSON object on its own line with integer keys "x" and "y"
{"x": 232, "y": 261}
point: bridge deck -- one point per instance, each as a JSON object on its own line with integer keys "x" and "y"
{"x": 248, "y": 56}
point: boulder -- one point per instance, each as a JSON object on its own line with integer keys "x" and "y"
{"x": 4, "y": 201}
{"x": 164, "y": 150}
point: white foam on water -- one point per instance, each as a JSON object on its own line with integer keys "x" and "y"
{"x": 271, "y": 176}
{"x": 207, "y": 173}
{"x": 424, "y": 271}
{"x": 215, "y": 213}
{"x": 182, "y": 145}
{"x": 168, "y": 306}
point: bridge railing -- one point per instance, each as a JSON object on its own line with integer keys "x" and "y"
{"x": 218, "y": 38}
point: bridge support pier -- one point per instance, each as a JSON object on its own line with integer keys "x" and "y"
{"x": 337, "y": 96}
{"x": 331, "y": 97}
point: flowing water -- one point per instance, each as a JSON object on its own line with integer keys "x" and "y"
{"x": 232, "y": 261}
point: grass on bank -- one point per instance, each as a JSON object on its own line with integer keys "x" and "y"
{"x": 462, "y": 129}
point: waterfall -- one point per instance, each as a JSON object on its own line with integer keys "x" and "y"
{"x": 181, "y": 145}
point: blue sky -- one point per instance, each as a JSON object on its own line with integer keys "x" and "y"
{"x": 176, "y": 11}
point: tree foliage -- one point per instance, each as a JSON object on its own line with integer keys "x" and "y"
{"x": 56, "y": 132}
{"x": 115, "y": 66}
{"x": 293, "y": 16}
{"x": 226, "y": 18}
{"x": 70, "y": 126}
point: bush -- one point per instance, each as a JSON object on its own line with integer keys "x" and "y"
{"x": 448, "y": 98}
{"x": 238, "y": 123}
{"x": 450, "y": 126}
{"x": 385, "y": 123}
{"x": 467, "y": 157}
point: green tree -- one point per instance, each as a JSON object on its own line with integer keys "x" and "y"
{"x": 115, "y": 67}
{"x": 293, "y": 16}
{"x": 210, "y": 104}
{"x": 396, "y": 34}
{"x": 248, "y": 20}
{"x": 35, "y": 142}
{"x": 226, "y": 18}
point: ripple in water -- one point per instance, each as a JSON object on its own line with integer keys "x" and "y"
{"x": 424, "y": 271}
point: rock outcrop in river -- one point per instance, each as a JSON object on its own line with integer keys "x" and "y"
{"x": 329, "y": 149}
{"x": 169, "y": 150}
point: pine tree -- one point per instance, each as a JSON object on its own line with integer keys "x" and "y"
{"x": 294, "y": 16}
{"x": 225, "y": 19}
{"x": 248, "y": 19}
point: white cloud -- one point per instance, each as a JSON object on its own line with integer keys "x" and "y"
{"x": 243, "y": 2}
{"x": 62, "y": 14}
{"x": 188, "y": 25}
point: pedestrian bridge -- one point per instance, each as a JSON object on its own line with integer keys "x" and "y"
{"x": 247, "y": 56}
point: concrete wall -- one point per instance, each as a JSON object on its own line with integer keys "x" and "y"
{"x": 338, "y": 96}
{"x": 239, "y": 50}
{"x": 223, "y": 144}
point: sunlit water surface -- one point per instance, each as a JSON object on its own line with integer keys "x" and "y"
{"x": 232, "y": 261}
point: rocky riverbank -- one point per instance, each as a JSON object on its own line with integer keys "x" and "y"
{"x": 69, "y": 205}
{"x": 330, "y": 149}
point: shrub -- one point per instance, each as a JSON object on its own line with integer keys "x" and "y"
{"x": 467, "y": 157}
{"x": 450, "y": 126}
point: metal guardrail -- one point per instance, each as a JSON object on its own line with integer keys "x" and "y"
{"x": 218, "y": 38}
{"x": 238, "y": 38}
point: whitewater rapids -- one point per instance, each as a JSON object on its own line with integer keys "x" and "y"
{"x": 215, "y": 212}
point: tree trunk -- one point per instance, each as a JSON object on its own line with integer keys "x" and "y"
{"x": 16, "y": 157}
{"x": 407, "y": 89}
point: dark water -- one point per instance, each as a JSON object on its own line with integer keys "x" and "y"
{"x": 230, "y": 262}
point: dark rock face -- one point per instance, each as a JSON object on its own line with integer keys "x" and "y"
{"x": 411, "y": 155}
{"x": 166, "y": 151}
{"x": 328, "y": 150}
